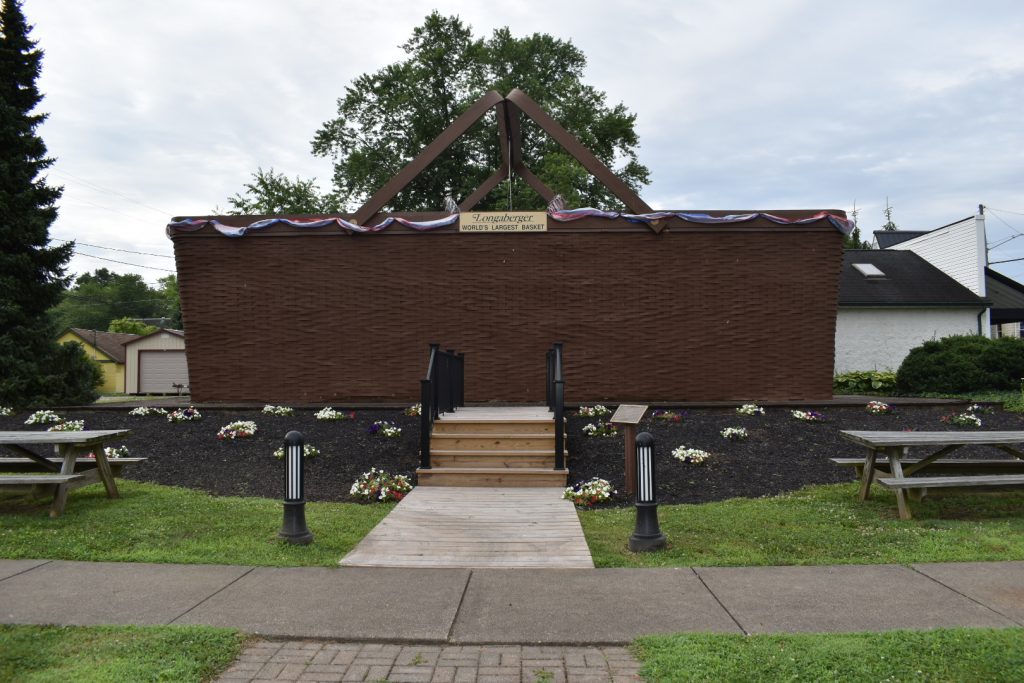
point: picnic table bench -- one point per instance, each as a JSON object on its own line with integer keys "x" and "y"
{"x": 888, "y": 450}
{"x": 67, "y": 471}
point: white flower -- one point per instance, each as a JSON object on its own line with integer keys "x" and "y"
{"x": 694, "y": 456}
{"x": 596, "y": 411}
{"x": 69, "y": 426}
{"x": 307, "y": 452}
{"x": 589, "y": 492}
{"x": 5, "y": 411}
{"x": 277, "y": 410}
{"x": 329, "y": 413}
{"x": 878, "y": 408}
{"x": 750, "y": 409}
{"x": 385, "y": 428}
{"x": 379, "y": 485}
{"x": 42, "y": 417}
{"x": 184, "y": 415}
{"x": 115, "y": 453}
{"x": 735, "y": 433}
{"x": 143, "y": 411}
{"x": 237, "y": 430}
{"x": 807, "y": 415}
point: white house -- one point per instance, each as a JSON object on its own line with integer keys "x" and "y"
{"x": 893, "y": 300}
{"x": 957, "y": 249}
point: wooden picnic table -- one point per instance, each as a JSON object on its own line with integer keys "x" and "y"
{"x": 894, "y": 446}
{"x": 61, "y": 475}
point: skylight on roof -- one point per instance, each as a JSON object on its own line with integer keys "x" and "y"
{"x": 868, "y": 270}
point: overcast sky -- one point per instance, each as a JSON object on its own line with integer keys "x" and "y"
{"x": 163, "y": 108}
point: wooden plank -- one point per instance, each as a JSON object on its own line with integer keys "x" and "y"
{"x": 911, "y": 439}
{"x": 976, "y": 481}
{"x": 24, "y": 479}
{"x": 583, "y": 155}
{"x": 86, "y": 438}
{"x": 449, "y": 135}
{"x": 476, "y": 527}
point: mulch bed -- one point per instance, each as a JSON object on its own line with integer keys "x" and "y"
{"x": 781, "y": 453}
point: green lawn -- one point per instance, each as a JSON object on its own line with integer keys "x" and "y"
{"x": 817, "y": 525}
{"x": 115, "y": 654}
{"x": 152, "y": 523}
{"x": 942, "y": 655}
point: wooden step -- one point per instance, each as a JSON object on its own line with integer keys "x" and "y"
{"x": 486, "y": 476}
{"x": 540, "y": 459}
{"x": 996, "y": 481}
{"x": 491, "y": 442}
{"x": 458, "y": 426}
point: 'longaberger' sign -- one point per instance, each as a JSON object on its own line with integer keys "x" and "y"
{"x": 501, "y": 221}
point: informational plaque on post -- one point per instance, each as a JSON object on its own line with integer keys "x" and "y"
{"x": 629, "y": 417}
{"x": 628, "y": 414}
{"x": 503, "y": 221}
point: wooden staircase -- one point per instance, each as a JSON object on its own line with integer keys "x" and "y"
{"x": 511, "y": 447}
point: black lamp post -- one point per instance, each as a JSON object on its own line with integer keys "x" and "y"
{"x": 294, "y": 529}
{"x": 647, "y": 534}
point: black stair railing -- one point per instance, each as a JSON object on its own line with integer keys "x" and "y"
{"x": 441, "y": 391}
{"x": 556, "y": 400}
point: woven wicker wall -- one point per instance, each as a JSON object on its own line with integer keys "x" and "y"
{"x": 686, "y": 315}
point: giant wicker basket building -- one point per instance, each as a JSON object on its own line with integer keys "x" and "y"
{"x": 650, "y": 306}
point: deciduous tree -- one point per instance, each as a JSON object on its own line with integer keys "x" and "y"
{"x": 100, "y": 297}
{"x": 272, "y": 193}
{"x": 386, "y": 118}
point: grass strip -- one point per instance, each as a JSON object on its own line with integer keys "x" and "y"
{"x": 57, "y": 654}
{"x": 817, "y": 525}
{"x": 991, "y": 655}
{"x": 153, "y": 523}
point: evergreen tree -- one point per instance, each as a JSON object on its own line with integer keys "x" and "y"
{"x": 889, "y": 225}
{"x": 853, "y": 240}
{"x": 34, "y": 370}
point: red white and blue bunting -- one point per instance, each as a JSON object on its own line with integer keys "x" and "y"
{"x": 561, "y": 215}
{"x": 193, "y": 224}
{"x": 567, "y": 215}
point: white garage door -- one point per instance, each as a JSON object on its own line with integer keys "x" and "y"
{"x": 159, "y": 371}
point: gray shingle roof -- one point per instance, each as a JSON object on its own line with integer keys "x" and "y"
{"x": 889, "y": 238}
{"x": 909, "y": 281}
{"x": 110, "y": 343}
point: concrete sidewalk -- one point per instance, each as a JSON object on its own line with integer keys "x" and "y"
{"x": 513, "y": 606}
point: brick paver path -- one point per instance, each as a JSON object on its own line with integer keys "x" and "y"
{"x": 303, "y": 660}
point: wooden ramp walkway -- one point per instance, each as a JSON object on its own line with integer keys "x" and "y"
{"x": 442, "y": 526}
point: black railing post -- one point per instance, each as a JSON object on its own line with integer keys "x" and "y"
{"x": 460, "y": 383}
{"x": 549, "y": 379}
{"x": 294, "y": 529}
{"x": 558, "y": 407}
{"x": 559, "y": 425}
{"x": 426, "y": 422}
{"x": 432, "y": 373}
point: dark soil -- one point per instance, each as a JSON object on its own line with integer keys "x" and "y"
{"x": 781, "y": 453}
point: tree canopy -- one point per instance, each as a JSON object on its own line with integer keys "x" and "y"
{"x": 386, "y": 118}
{"x": 272, "y": 193}
{"x": 99, "y": 298}
{"x": 34, "y": 369}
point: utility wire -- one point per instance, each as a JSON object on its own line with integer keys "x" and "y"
{"x": 1018, "y": 213}
{"x": 124, "y": 263}
{"x": 97, "y": 246}
{"x": 105, "y": 208}
{"x": 107, "y": 189}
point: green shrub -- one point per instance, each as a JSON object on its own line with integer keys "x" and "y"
{"x": 962, "y": 364}
{"x": 865, "y": 382}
